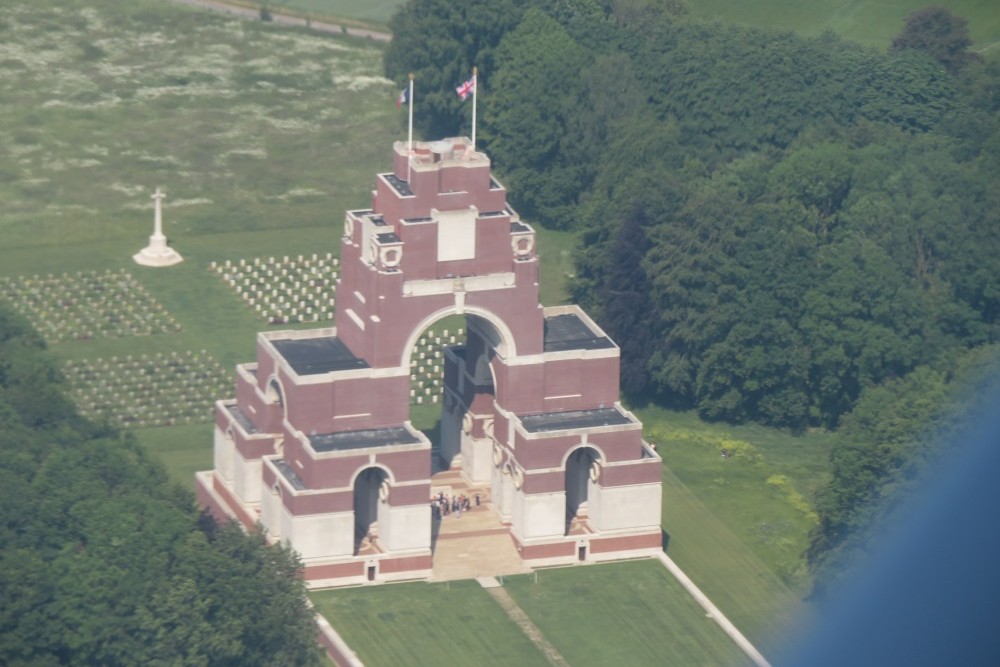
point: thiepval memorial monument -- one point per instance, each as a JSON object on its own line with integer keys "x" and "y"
{"x": 317, "y": 445}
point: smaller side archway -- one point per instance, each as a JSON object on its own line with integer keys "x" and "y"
{"x": 582, "y": 470}
{"x": 275, "y": 393}
{"x": 371, "y": 498}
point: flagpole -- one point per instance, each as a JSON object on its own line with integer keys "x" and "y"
{"x": 475, "y": 89}
{"x": 409, "y": 156}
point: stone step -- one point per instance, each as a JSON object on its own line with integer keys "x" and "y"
{"x": 476, "y": 555}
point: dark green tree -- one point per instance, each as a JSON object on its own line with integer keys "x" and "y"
{"x": 440, "y": 41}
{"x": 529, "y": 124}
{"x": 628, "y": 312}
{"x": 104, "y": 561}
{"x": 939, "y": 33}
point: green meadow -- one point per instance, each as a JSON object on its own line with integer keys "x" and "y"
{"x": 442, "y": 624}
{"x": 631, "y": 613}
{"x": 871, "y": 23}
{"x": 261, "y": 137}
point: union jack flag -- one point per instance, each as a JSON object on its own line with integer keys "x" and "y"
{"x": 466, "y": 88}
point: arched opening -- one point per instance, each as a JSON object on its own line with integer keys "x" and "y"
{"x": 371, "y": 495}
{"x": 582, "y": 470}
{"x": 275, "y": 394}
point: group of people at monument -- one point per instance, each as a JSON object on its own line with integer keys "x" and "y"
{"x": 442, "y": 505}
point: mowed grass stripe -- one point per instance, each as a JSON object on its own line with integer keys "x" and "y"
{"x": 422, "y": 624}
{"x": 633, "y": 613}
{"x": 741, "y": 585}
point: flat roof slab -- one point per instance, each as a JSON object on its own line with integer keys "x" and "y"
{"x": 312, "y": 356}
{"x": 242, "y": 419}
{"x": 289, "y": 474}
{"x": 376, "y": 437}
{"x": 569, "y": 332}
{"x": 573, "y": 419}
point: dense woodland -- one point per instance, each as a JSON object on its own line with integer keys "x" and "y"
{"x": 800, "y": 232}
{"x": 103, "y": 561}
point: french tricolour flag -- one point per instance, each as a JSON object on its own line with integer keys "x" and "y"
{"x": 404, "y": 97}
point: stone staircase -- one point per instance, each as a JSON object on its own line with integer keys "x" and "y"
{"x": 474, "y": 543}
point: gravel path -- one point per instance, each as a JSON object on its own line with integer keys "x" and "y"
{"x": 529, "y": 629}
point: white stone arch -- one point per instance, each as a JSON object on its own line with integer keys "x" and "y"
{"x": 583, "y": 466}
{"x": 602, "y": 459}
{"x": 507, "y": 348}
{"x": 274, "y": 392}
{"x": 366, "y": 466}
{"x": 371, "y": 505}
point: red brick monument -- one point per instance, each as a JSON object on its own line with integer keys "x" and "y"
{"x": 317, "y": 445}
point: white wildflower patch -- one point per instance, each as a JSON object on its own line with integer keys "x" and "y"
{"x": 297, "y": 193}
{"x": 178, "y": 203}
{"x": 67, "y": 209}
{"x": 105, "y": 101}
{"x": 127, "y": 190}
{"x": 82, "y": 163}
{"x": 292, "y": 124}
{"x": 167, "y": 203}
{"x": 145, "y": 156}
{"x": 94, "y": 149}
{"x": 94, "y": 21}
{"x": 254, "y": 152}
{"x": 17, "y": 150}
{"x": 360, "y": 82}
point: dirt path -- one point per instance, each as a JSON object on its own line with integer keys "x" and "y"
{"x": 286, "y": 19}
{"x": 529, "y": 629}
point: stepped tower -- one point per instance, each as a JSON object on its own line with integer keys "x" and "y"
{"x": 317, "y": 444}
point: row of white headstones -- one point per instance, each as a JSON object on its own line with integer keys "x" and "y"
{"x": 87, "y": 304}
{"x": 159, "y": 389}
{"x": 286, "y": 290}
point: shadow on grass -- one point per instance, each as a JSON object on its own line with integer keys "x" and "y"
{"x": 664, "y": 539}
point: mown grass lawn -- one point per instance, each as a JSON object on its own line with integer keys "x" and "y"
{"x": 633, "y": 613}
{"x": 872, "y": 23}
{"x": 422, "y": 624}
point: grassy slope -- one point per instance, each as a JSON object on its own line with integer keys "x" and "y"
{"x": 426, "y": 624}
{"x": 763, "y": 493}
{"x": 652, "y": 619}
{"x": 738, "y": 537}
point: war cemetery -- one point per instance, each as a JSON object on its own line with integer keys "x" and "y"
{"x": 348, "y": 338}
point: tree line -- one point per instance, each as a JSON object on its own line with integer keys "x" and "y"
{"x": 104, "y": 561}
{"x": 774, "y": 228}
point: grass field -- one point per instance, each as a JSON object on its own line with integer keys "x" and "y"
{"x": 650, "y": 616}
{"x": 865, "y": 21}
{"x": 426, "y": 624}
{"x": 762, "y": 491}
{"x": 630, "y": 613}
